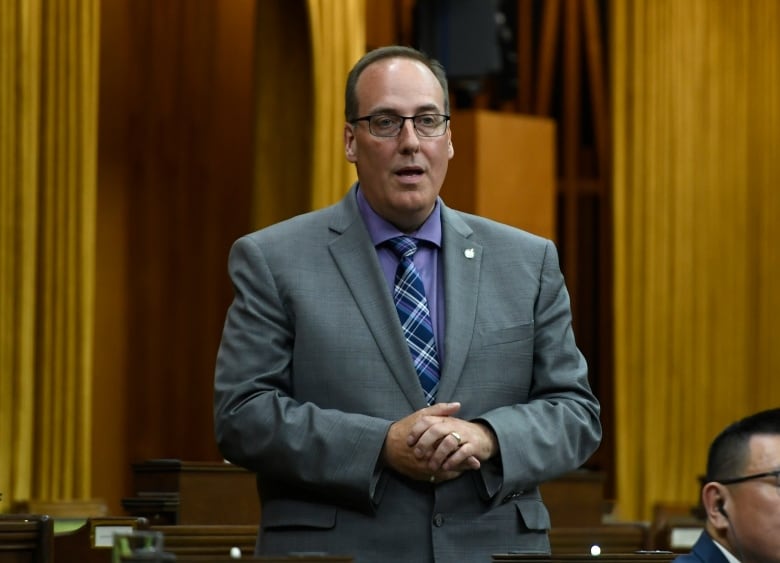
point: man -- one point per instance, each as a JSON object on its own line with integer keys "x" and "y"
{"x": 418, "y": 443}
{"x": 741, "y": 496}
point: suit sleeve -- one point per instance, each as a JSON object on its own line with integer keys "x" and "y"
{"x": 558, "y": 428}
{"x": 258, "y": 423}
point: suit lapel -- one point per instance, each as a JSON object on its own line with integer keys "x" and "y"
{"x": 357, "y": 261}
{"x": 462, "y": 262}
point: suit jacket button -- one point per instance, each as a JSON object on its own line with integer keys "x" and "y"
{"x": 438, "y": 520}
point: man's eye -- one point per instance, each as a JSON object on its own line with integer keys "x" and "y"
{"x": 384, "y": 122}
{"x": 426, "y": 120}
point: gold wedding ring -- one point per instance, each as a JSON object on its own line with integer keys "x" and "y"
{"x": 456, "y": 436}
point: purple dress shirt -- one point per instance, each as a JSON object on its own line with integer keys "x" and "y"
{"x": 427, "y": 259}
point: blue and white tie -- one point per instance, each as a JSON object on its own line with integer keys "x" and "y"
{"x": 412, "y": 307}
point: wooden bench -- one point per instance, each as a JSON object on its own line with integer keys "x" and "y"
{"x": 26, "y": 538}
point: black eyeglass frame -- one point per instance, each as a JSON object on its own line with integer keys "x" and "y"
{"x": 735, "y": 480}
{"x": 368, "y": 118}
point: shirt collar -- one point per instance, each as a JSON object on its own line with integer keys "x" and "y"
{"x": 380, "y": 230}
{"x": 729, "y": 556}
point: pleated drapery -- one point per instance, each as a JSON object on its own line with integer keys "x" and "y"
{"x": 338, "y": 39}
{"x": 48, "y": 150}
{"x": 697, "y": 133}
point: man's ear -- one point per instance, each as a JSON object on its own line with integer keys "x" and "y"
{"x": 713, "y": 498}
{"x": 349, "y": 143}
{"x": 450, "y": 148}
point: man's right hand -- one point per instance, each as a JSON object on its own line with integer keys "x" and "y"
{"x": 398, "y": 454}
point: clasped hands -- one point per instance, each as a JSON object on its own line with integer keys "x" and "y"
{"x": 433, "y": 445}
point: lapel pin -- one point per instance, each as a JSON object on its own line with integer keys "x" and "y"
{"x": 469, "y": 253}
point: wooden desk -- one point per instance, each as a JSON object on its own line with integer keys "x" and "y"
{"x": 296, "y": 559}
{"x": 213, "y": 543}
{"x": 572, "y": 558}
{"x": 217, "y": 540}
{"x": 92, "y": 542}
{"x": 209, "y": 540}
{"x": 170, "y": 491}
{"x": 26, "y": 538}
{"x": 611, "y": 538}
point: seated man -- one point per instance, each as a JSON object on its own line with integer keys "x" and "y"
{"x": 741, "y": 494}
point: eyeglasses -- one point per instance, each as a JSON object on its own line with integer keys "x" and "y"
{"x": 735, "y": 480}
{"x": 390, "y": 124}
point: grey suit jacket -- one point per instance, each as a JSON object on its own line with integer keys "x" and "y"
{"x": 313, "y": 368}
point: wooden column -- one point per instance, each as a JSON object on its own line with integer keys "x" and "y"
{"x": 504, "y": 169}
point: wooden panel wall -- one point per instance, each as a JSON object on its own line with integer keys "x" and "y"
{"x": 175, "y": 171}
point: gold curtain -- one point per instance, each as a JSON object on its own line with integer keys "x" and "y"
{"x": 48, "y": 143}
{"x": 338, "y": 39}
{"x": 697, "y": 133}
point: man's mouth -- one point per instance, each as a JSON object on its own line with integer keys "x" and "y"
{"x": 409, "y": 171}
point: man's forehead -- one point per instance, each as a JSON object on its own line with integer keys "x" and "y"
{"x": 764, "y": 452}
{"x": 416, "y": 83}
{"x": 394, "y": 63}
{"x": 397, "y": 65}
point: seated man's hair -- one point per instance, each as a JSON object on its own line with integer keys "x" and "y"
{"x": 728, "y": 453}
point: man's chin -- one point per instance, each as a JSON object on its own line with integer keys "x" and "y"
{"x": 410, "y": 216}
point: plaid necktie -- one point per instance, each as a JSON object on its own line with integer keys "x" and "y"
{"x": 412, "y": 306}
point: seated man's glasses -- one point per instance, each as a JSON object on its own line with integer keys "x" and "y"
{"x": 735, "y": 480}
{"x": 390, "y": 124}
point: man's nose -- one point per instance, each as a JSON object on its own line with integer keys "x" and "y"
{"x": 407, "y": 137}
